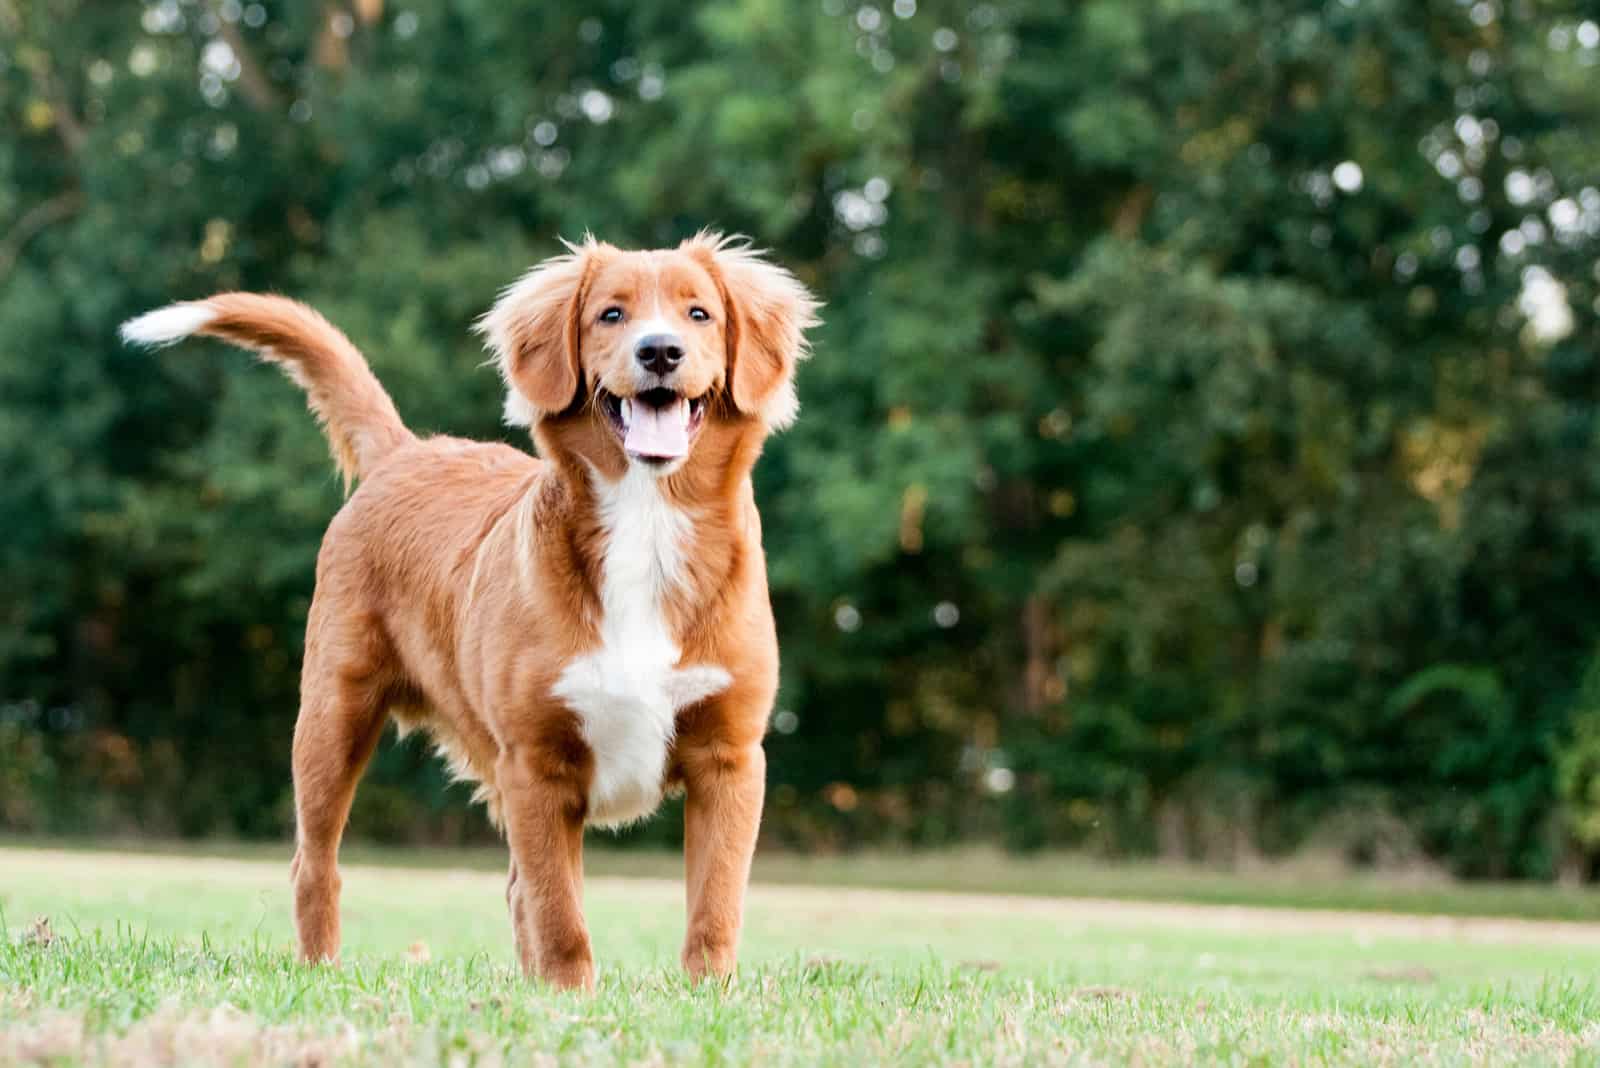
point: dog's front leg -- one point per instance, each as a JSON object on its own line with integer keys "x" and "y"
{"x": 725, "y": 782}
{"x": 542, "y": 798}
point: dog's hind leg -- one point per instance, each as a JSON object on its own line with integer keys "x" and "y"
{"x": 342, "y": 715}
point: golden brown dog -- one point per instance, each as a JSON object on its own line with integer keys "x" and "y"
{"x": 578, "y": 632}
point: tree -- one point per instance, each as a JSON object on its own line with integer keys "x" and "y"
{"x": 1193, "y": 455}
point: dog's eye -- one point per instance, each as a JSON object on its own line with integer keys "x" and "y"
{"x": 612, "y": 314}
{"x": 699, "y": 314}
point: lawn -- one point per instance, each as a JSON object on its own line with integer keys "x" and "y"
{"x": 180, "y": 959}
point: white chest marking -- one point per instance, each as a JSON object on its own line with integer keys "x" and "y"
{"x": 628, "y": 691}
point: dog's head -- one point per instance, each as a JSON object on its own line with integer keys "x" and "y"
{"x": 628, "y": 357}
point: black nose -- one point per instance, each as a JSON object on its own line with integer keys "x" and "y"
{"x": 659, "y": 352}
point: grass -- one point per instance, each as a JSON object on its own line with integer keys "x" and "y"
{"x": 1306, "y": 881}
{"x": 176, "y": 959}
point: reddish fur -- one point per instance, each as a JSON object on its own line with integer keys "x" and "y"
{"x": 359, "y": 417}
{"x": 542, "y": 361}
{"x": 461, "y": 578}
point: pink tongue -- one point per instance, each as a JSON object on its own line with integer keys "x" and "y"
{"x": 662, "y": 433}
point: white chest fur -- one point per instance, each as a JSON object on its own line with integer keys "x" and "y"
{"x": 628, "y": 691}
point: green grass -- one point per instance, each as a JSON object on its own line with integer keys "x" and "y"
{"x": 1307, "y": 881}
{"x": 173, "y": 959}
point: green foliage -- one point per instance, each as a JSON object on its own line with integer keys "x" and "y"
{"x": 1180, "y": 411}
{"x": 1577, "y": 764}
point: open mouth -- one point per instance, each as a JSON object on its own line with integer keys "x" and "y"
{"x": 656, "y": 425}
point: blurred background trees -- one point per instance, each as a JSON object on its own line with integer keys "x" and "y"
{"x": 1200, "y": 455}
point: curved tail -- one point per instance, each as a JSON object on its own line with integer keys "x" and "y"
{"x": 355, "y": 412}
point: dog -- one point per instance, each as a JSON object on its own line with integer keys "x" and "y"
{"x": 580, "y": 632}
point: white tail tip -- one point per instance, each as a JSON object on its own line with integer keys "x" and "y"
{"x": 167, "y": 325}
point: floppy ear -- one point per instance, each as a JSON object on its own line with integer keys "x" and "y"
{"x": 768, "y": 313}
{"x": 533, "y": 332}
